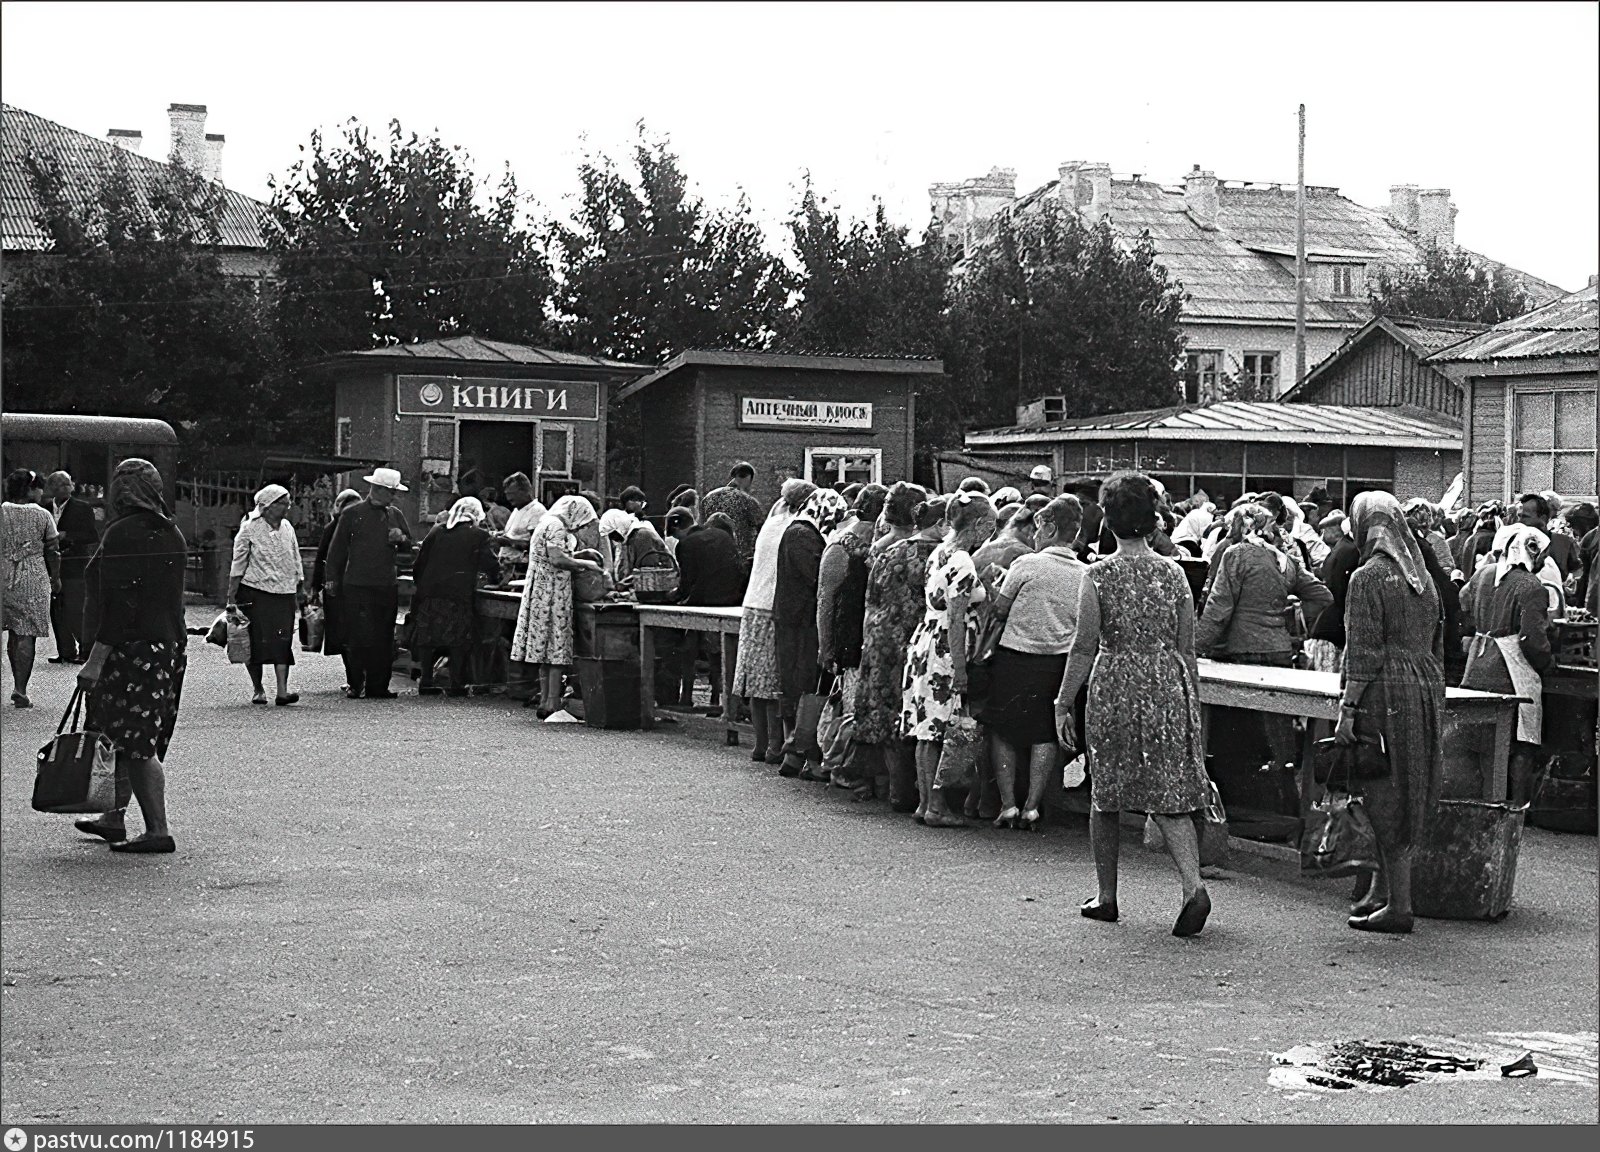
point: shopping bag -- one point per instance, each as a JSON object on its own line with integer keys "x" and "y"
{"x": 1338, "y": 839}
{"x": 218, "y": 632}
{"x": 829, "y": 722}
{"x": 1075, "y": 772}
{"x": 958, "y": 759}
{"x": 238, "y": 639}
{"x": 1366, "y": 759}
{"x": 837, "y": 751}
{"x": 77, "y": 770}
{"x": 807, "y": 718}
{"x": 591, "y": 587}
{"x": 312, "y": 624}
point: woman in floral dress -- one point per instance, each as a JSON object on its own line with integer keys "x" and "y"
{"x": 1135, "y": 647}
{"x": 544, "y": 622}
{"x": 30, "y": 569}
{"x": 935, "y": 678}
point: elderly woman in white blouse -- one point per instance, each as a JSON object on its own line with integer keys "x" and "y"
{"x": 265, "y": 585}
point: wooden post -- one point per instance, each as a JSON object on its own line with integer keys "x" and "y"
{"x": 1300, "y": 259}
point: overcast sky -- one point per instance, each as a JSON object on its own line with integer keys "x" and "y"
{"x": 1497, "y": 102}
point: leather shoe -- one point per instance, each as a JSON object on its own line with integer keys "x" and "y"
{"x": 111, "y": 832}
{"x": 1193, "y": 916}
{"x": 1092, "y": 909}
{"x": 146, "y": 844}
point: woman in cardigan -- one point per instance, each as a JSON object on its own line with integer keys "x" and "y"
{"x": 794, "y": 610}
{"x": 134, "y": 623}
{"x": 445, "y": 577}
{"x": 1393, "y": 689}
{"x": 755, "y": 676}
{"x": 265, "y": 582}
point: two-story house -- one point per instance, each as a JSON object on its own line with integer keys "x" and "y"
{"x": 1231, "y": 245}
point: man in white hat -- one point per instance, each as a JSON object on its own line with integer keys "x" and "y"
{"x": 1042, "y": 481}
{"x": 361, "y": 573}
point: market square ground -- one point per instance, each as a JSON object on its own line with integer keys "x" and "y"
{"x": 375, "y": 916}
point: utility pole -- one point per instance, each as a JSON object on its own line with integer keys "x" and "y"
{"x": 1300, "y": 259}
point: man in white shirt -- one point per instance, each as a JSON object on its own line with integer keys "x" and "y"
{"x": 526, "y": 512}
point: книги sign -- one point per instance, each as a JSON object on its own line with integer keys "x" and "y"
{"x": 468, "y": 396}
{"x": 763, "y": 413}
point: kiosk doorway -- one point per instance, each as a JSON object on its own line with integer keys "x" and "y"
{"x": 497, "y": 448}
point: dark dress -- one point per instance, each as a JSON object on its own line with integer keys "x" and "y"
{"x": 847, "y": 618}
{"x": 896, "y": 588}
{"x": 134, "y": 606}
{"x": 446, "y": 584}
{"x": 1394, "y": 641}
{"x": 794, "y": 610}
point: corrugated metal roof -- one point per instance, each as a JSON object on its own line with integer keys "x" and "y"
{"x": 1568, "y": 327}
{"x": 89, "y": 429}
{"x": 1246, "y": 421}
{"x": 85, "y": 160}
{"x": 1435, "y": 335}
{"x": 816, "y": 363}
{"x": 1244, "y": 268}
{"x": 477, "y": 350}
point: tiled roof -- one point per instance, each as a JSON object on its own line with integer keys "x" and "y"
{"x": 84, "y": 160}
{"x": 477, "y": 350}
{"x": 1568, "y": 327}
{"x": 1244, "y": 268}
{"x": 1251, "y": 421}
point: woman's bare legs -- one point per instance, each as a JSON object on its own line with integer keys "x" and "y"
{"x": 1184, "y": 848}
{"x": 149, "y": 783}
{"x": 1041, "y": 765}
{"x": 1105, "y": 839}
{"x": 21, "y": 652}
{"x": 1005, "y": 779}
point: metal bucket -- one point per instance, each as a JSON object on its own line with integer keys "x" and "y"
{"x": 1465, "y": 866}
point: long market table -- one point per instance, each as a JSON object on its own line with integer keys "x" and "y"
{"x": 723, "y": 622}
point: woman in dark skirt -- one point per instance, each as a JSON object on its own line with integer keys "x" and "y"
{"x": 794, "y": 608}
{"x": 1038, "y": 602}
{"x": 446, "y": 581}
{"x": 134, "y": 624}
{"x": 332, "y": 642}
{"x": 267, "y": 580}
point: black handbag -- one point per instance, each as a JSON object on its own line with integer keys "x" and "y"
{"x": 77, "y": 770}
{"x": 1366, "y": 759}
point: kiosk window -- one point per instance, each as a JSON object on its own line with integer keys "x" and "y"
{"x": 555, "y": 442}
{"x": 826, "y": 467}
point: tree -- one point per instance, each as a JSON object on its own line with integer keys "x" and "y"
{"x": 1053, "y": 307}
{"x": 399, "y": 243}
{"x": 1450, "y": 284}
{"x": 129, "y": 312}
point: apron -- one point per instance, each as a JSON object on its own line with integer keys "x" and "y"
{"x": 1526, "y": 682}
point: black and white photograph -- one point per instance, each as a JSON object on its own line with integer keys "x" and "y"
{"x": 777, "y": 564}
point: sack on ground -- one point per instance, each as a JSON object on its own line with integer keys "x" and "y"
{"x": 958, "y": 759}
{"x": 77, "y": 770}
{"x": 312, "y": 625}
{"x": 1338, "y": 840}
{"x": 238, "y": 640}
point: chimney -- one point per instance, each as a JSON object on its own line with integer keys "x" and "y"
{"x": 1436, "y": 218}
{"x": 128, "y": 139}
{"x": 188, "y": 136}
{"x": 214, "y": 142}
{"x": 1098, "y": 178}
{"x": 1067, "y": 189}
{"x": 1403, "y": 205}
{"x": 1200, "y": 197}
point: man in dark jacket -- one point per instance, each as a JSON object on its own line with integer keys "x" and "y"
{"x": 711, "y": 574}
{"x": 79, "y": 534}
{"x": 361, "y": 574}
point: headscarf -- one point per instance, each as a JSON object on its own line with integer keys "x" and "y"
{"x": 824, "y": 509}
{"x": 1255, "y": 525}
{"x": 344, "y": 499}
{"x": 136, "y": 487}
{"x": 763, "y": 585}
{"x": 1378, "y": 524}
{"x": 1007, "y": 495}
{"x": 266, "y": 498}
{"x": 617, "y": 522}
{"x": 468, "y": 509}
{"x": 1420, "y": 515}
{"x": 1515, "y": 546}
{"x": 574, "y": 511}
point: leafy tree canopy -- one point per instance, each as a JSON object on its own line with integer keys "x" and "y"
{"x": 129, "y": 313}
{"x": 1450, "y": 284}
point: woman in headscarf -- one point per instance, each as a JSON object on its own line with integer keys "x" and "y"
{"x": 1425, "y": 519}
{"x": 794, "y": 610}
{"x": 842, "y": 606}
{"x": 1243, "y": 623}
{"x": 894, "y": 605}
{"x": 755, "y": 676}
{"x": 1506, "y": 609}
{"x": 134, "y": 622}
{"x": 935, "y": 679}
{"x": 332, "y": 641}
{"x": 30, "y": 573}
{"x": 444, "y": 604}
{"x": 544, "y": 621}
{"x": 1393, "y": 690}
{"x": 265, "y": 583}
{"x": 1325, "y": 636}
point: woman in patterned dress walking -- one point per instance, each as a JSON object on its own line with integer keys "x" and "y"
{"x": 1135, "y": 647}
{"x": 32, "y": 574}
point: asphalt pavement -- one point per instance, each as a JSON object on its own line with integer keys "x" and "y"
{"x": 441, "y": 910}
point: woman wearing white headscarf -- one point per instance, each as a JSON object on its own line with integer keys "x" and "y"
{"x": 544, "y": 621}
{"x": 444, "y": 604}
{"x": 266, "y": 578}
{"x": 794, "y": 610}
{"x": 755, "y": 676}
{"x": 1506, "y": 608}
{"x": 1394, "y": 693}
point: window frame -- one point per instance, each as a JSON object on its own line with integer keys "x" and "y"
{"x": 1201, "y": 396}
{"x": 1515, "y": 453}
{"x": 1276, "y": 374}
{"x": 821, "y": 450}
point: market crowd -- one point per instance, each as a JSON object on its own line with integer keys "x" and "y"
{"x": 946, "y": 653}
